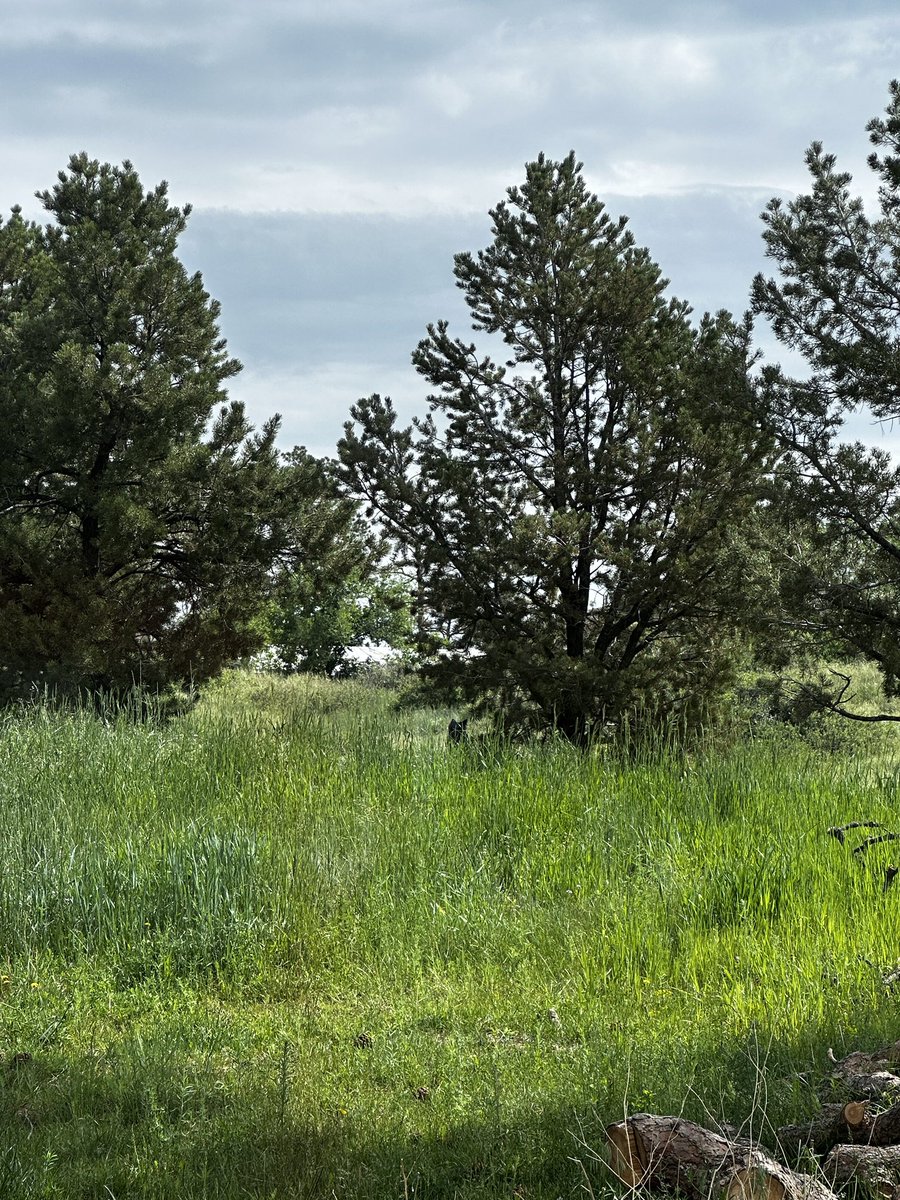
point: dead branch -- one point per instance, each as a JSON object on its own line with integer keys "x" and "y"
{"x": 839, "y": 831}
{"x": 875, "y": 841}
{"x": 836, "y": 705}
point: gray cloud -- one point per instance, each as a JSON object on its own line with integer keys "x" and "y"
{"x": 324, "y": 309}
{"x": 338, "y": 154}
{"x": 404, "y": 108}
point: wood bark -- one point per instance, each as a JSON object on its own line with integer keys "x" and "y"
{"x": 834, "y": 1123}
{"x": 878, "y": 1167}
{"x": 869, "y": 1076}
{"x": 669, "y": 1153}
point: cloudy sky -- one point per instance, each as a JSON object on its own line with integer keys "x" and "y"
{"x": 338, "y": 152}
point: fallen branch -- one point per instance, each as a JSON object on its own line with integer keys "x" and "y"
{"x": 875, "y": 841}
{"x": 839, "y": 831}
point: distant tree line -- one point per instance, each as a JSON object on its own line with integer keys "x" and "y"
{"x": 607, "y": 509}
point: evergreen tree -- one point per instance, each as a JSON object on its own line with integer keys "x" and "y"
{"x": 837, "y": 303}
{"x": 571, "y": 514}
{"x": 140, "y": 515}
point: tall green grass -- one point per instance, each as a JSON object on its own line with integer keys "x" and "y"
{"x": 294, "y": 944}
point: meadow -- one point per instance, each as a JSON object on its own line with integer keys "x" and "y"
{"x": 295, "y": 945}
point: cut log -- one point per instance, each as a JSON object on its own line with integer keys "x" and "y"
{"x": 872, "y": 1087}
{"x": 878, "y": 1167}
{"x": 881, "y": 1130}
{"x": 869, "y": 1076}
{"x": 669, "y": 1153}
{"x": 855, "y": 1113}
{"x": 767, "y": 1179}
{"x": 833, "y": 1124}
{"x": 853, "y": 1124}
{"x": 625, "y": 1152}
{"x": 861, "y": 1061}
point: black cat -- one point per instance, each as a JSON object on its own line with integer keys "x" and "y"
{"x": 456, "y": 731}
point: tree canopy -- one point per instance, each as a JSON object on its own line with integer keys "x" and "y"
{"x": 837, "y": 302}
{"x": 140, "y": 514}
{"x": 570, "y": 511}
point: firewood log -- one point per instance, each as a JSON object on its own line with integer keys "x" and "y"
{"x": 834, "y": 1123}
{"x": 878, "y": 1167}
{"x": 669, "y": 1153}
{"x": 868, "y": 1076}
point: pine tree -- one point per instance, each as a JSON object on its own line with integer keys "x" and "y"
{"x": 837, "y": 303}
{"x": 570, "y": 513}
{"x": 140, "y": 515}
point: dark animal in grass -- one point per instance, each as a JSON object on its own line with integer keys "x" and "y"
{"x": 457, "y": 731}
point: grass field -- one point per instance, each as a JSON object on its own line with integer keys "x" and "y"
{"x": 294, "y": 945}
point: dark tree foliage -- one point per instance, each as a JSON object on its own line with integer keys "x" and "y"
{"x": 570, "y": 514}
{"x": 140, "y": 515}
{"x": 837, "y": 302}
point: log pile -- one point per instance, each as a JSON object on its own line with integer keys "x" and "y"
{"x": 847, "y": 1144}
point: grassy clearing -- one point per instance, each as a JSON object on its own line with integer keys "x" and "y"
{"x": 294, "y": 945}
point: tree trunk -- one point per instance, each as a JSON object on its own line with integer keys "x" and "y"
{"x": 574, "y": 727}
{"x": 90, "y": 518}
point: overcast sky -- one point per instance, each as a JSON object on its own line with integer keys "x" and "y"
{"x": 338, "y": 152}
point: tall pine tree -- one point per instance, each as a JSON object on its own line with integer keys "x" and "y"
{"x": 836, "y": 301}
{"x": 140, "y": 515}
{"x": 571, "y": 511}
